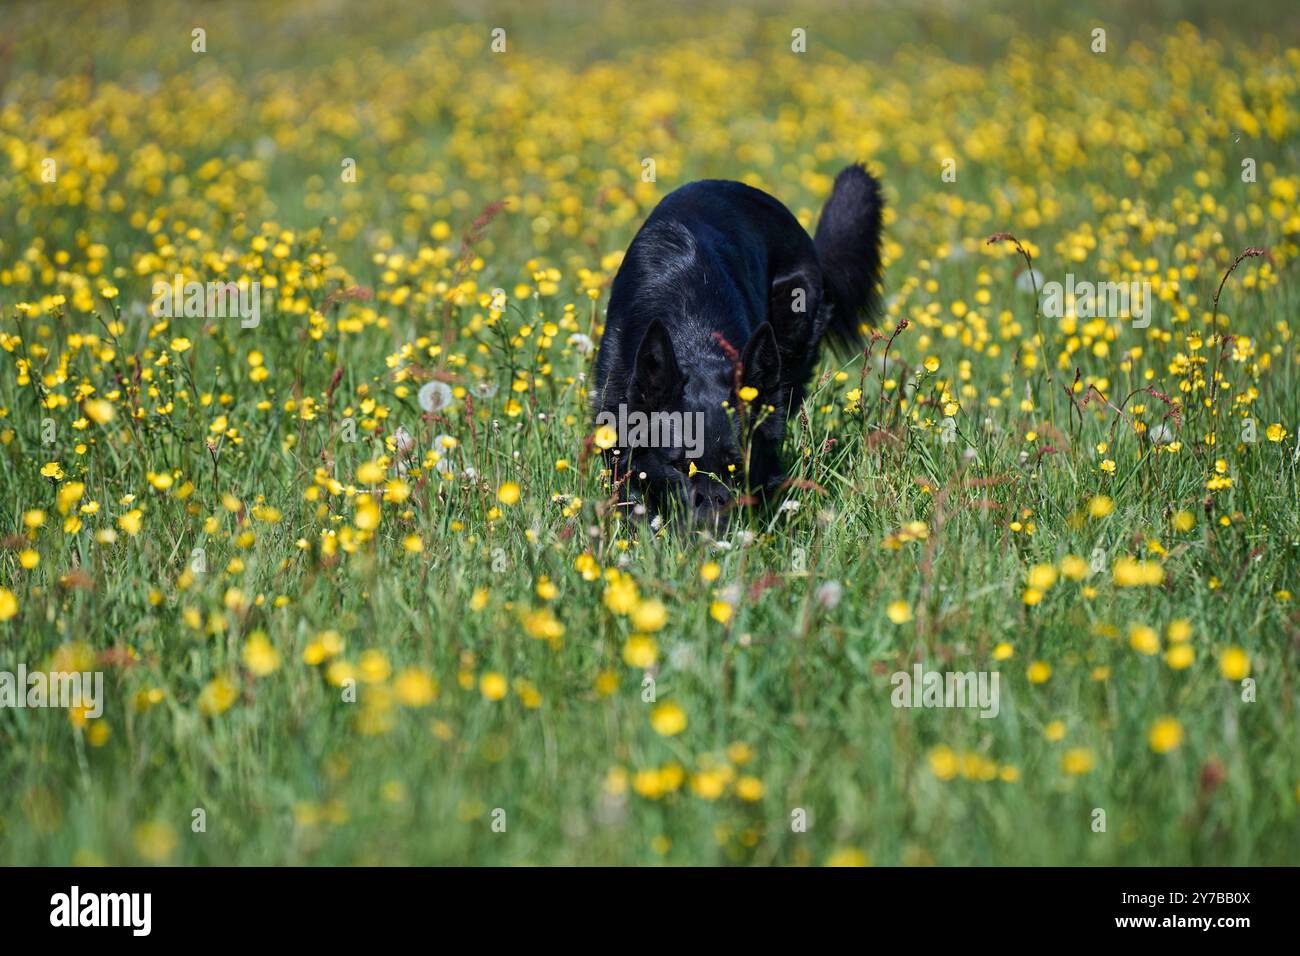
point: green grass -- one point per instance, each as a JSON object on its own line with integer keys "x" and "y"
{"x": 293, "y": 772}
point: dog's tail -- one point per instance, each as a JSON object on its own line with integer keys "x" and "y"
{"x": 848, "y": 245}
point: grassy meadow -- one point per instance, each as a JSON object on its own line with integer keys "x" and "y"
{"x": 353, "y": 575}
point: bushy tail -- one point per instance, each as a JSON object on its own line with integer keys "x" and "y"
{"x": 848, "y": 244}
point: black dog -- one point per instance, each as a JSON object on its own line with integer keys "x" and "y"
{"x": 722, "y": 291}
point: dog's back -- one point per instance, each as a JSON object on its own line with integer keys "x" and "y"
{"x": 717, "y": 258}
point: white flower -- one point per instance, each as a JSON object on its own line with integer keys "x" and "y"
{"x": 1161, "y": 434}
{"x": 1028, "y": 280}
{"x": 681, "y": 657}
{"x": 829, "y": 594}
{"x": 581, "y": 343}
{"x": 402, "y": 441}
{"x": 434, "y": 396}
{"x": 790, "y": 504}
{"x": 484, "y": 389}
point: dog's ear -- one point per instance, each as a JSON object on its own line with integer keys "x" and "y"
{"x": 793, "y": 303}
{"x": 761, "y": 365}
{"x": 657, "y": 378}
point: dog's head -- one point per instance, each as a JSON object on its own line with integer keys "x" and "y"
{"x": 709, "y": 440}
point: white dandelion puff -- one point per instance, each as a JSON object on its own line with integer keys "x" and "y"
{"x": 829, "y": 594}
{"x": 1161, "y": 434}
{"x": 434, "y": 396}
{"x": 1028, "y": 280}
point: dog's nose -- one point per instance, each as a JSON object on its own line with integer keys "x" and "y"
{"x": 709, "y": 497}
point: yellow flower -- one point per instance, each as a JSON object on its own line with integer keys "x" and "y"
{"x": 748, "y": 393}
{"x": 606, "y": 437}
{"x": 708, "y": 784}
{"x": 1039, "y": 672}
{"x": 368, "y": 515}
{"x": 339, "y": 673}
{"x": 1183, "y": 521}
{"x": 1166, "y": 735}
{"x": 647, "y": 784}
{"x": 1100, "y": 506}
{"x": 98, "y": 411}
{"x": 1074, "y": 567}
{"x": 543, "y": 624}
{"x": 1042, "y": 576}
{"x": 1054, "y": 731}
{"x": 508, "y": 493}
{"x": 1180, "y": 656}
{"x": 668, "y": 719}
{"x": 374, "y": 667}
{"x": 1003, "y": 652}
{"x": 155, "y": 841}
{"x": 621, "y": 595}
{"x": 1130, "y": 572}
{"x": 640, "y": 651}
{"x": 650, "y": 616}
{"x": 1144, "y": 639}
{"x": 720, "y": 611}
{"x": 67, "y": 497}
{"x": 217, "y": 697}
{"x": 749, "y": 789}
{"x": 260, "y": 656}
{"x": 8, "y": 604}
{"x": 1078, "y": 760}
{"x": 606, "y": 683}
{"x": 943, "y": 762}
{"x": 371, "y": 473}
{"x": 1275, "y": 432}
{"x": 1234, "y": 663}
{"x": 131, "y": 521}
{"x": 414, "y": 688}
{"x": 493, "y": 686}
{"x": 709, "y": 572}
{"x": 899, "y": 612}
